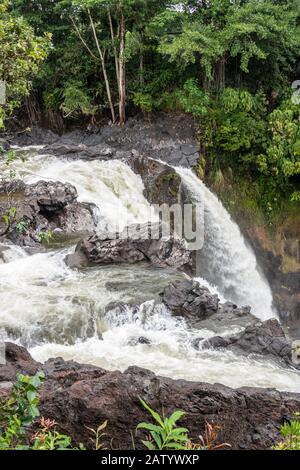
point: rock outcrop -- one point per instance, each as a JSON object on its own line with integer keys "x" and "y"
{"x": 135, "y": 244}
{"x": 80, "y": 396}
{"x": 162, "y": 183}
{"x": 265, "y": 339}
{"x": 30, "y": 209}
{"x": 202, "y": 309}
{"x": 170, "y": 139}
{"x": 189, "y": 299}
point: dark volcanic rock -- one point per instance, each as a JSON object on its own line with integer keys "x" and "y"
{"x": 41, "y": 207}
{"x": 4, "y": 145}
{"x": 80, "y": 396}
{"x": 79, "y": 151}
{"x": 188, "y": 298}
{"x": 162, "y": 183}
{"x": 262, "y": 338}
{"x": 168, "y": 138}
{"x": 35, "y": 136}
{"x": 133, "y": 246}
{"x": 17, "y": 359}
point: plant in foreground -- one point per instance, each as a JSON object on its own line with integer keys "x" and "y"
{"x": 18, "y": 414}
{"x": 165, "y": 435}
{"x": 290, "y": 432}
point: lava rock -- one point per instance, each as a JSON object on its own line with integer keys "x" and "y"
{"x": 189, "y": 299}
{"x": 78, "y": 396}
{"x": 80, "y": 151}
{"x": 134, "y": 245}
{"x": 41, "y": 207}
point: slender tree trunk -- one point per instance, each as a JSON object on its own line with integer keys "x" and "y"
{"x": 113, "y": 38}
{"x": 220, "y": 72}
{"x": 122, "y": 72}
{"x": 141, "y": 68}
{"x": 101, "y": 55}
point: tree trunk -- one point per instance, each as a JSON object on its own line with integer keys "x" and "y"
{"x": 220, "y": 72}
{"x": 122, "y": 73}
{"x": 141, "y": 69}
{"x": 101, "y": 55}
{"x": 114, "y": 45}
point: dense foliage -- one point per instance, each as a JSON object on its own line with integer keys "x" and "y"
{"x": 21, "y": 54}
{"x": 230, "y": 63}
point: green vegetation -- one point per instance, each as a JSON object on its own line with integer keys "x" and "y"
{"x": 230, "y": 64}
{"x": 18, "y": 415}
{"x": 290, "y": 432}
{"x": 166, "y": 435}
{"x": 22, "y": 428}
{"x": 21, "y": 54}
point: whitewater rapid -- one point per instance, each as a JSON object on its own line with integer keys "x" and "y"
{"x": 56, "y": 311}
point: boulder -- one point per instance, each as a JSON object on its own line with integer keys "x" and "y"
{"x": 133, "y": 245}
{"x": 262, "y": 338}
{"x": 189, "y": 299}
{"x": 80, "y": 396}
{"x": 41, "y": 207}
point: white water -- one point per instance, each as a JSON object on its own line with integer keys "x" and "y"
{"x": 56, "y": 311}
{"x": 225, "y": 260}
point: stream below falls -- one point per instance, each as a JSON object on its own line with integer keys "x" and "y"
{"x": 56, "y": 311}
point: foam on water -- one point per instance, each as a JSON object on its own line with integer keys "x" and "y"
{"x": 56, "y": 311}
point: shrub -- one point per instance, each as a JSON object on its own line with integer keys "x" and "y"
{"x": 18, "y": 414}
{"x": 166, "y": 435}
{"x": 290, "y": 432}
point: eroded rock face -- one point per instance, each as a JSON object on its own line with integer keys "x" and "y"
{"x": 189, "y": 299}
{"x": 265, "y": 339}
{"x": 129, "y": 248}
{"x": 79, "y": 396}
{"x": 169, "y": 138}
{"x": 81, "y": 151}
{"x": 201, "y": 308}
{"x": 162, "y": 183}
{"x": 41, "y": 207}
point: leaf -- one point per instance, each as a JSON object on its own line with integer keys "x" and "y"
{"x": 149, "y": 445}
{"x": 175, "y": 417}
{"x": 149, "y": 427}
{"x": 157, "y": 439}
{"x": 153, "y": 413}
{"x": 31, "y": 395}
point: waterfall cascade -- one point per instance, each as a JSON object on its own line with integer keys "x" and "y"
{"x": 56, "y": 311}
{"x": 225, "y": 260}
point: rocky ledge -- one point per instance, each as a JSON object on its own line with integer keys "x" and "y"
{"x": 30, "y": 209}
{"x": 135, "y": 244}
{"x": 79, "y": 396}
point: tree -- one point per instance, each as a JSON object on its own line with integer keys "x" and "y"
{"x": 215, "y": 33}
{"x": 22, "y": 52}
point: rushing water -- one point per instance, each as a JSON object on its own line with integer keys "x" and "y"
{"x": 225, "y": 260}
{"x": 56, "y": 311}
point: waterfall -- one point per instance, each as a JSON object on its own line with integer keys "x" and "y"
{"x": 56, "y": 311}
{"x": 226, "y": 261}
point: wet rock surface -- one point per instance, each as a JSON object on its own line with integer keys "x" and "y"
{"x": 168, "y": 138}
{"x": 201, "y": 309}
{"x": 189, "y": 299}
{"x": 162, "y": 183}
{"x": 30, "y": 209}
{"x": 77, "y": 396}
{"x": 133, "y": 245}
{"x": 265, "y": 339}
